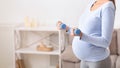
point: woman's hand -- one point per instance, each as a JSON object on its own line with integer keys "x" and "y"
{"x": 73, "y": 34}
{"x": 58, "y": 25}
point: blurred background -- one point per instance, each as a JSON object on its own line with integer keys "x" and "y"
{"x": 44, "y": 12}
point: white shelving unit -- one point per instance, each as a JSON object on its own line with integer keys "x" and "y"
{"x": 26, "y": 40}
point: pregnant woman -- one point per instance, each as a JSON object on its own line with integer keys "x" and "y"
{"x": 96, "y": 28}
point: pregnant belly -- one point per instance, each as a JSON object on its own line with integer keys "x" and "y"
{"x": 81, "y": 49}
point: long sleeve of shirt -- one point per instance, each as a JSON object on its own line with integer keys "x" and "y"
{"x": 107, "y": 21}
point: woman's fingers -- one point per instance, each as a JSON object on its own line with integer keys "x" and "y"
{"x": 74, "y": 28}
{"x": 58, "y": 24}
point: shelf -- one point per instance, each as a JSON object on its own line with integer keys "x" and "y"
{"x": 32, "y": 50}
{"x": 27, "y": 39}
{"x": 40, "y": 28}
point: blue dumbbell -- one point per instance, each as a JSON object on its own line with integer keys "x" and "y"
{"x": 76, "y": 31}
{"x": 63, "y": 26}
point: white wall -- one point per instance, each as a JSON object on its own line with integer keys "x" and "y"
{"x": 6, "y": 46}
{"x": 44, "y": 11}
{"x": 117, "y": 17}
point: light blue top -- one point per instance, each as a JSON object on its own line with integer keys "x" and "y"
{"x": 97, "y": 28}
